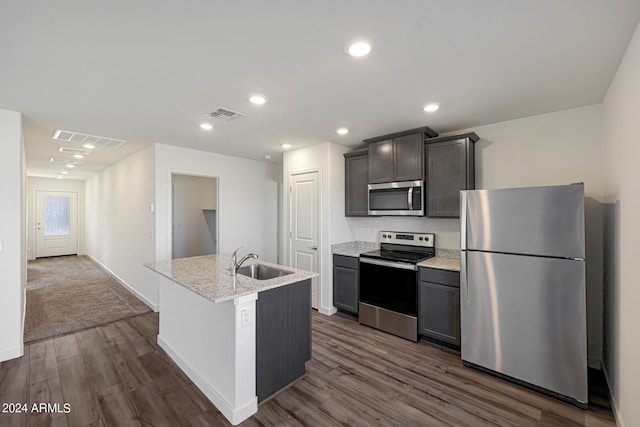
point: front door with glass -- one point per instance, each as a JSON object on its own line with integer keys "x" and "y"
{"x": 56, "y": 223}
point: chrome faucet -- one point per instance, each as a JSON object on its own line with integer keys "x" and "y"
{"x": 235, "y": 265}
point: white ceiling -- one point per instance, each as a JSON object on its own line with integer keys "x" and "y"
{"x": 148, "y": 71}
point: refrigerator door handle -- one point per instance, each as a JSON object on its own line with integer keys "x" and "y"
{"x": 464, "y": 281}
{"x": 463, "y": 220}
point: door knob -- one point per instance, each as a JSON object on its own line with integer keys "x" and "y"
{"x": 314, "y": 247}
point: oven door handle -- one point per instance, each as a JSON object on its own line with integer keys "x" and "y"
{"x": 400, "y": 265}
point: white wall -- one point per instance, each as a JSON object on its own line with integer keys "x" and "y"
{"x": 549, "y": 149}
{"x": 327, "y": 158}
{"x": 194, "y": 201}
{"x": 12, "y": 239}
{"x": 247, "y": 199}
{"x": 119, "y": 230}
{"x": 622, "y": 295}
{"x": 49, "y": 184}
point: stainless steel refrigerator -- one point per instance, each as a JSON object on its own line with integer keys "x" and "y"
{"x": 522, "y": 286}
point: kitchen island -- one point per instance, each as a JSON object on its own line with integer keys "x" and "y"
{"x": 239, "y": 339}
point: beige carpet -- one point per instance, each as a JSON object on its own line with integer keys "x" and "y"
{"x": 71, "y": 293}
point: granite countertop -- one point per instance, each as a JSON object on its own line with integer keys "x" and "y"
{"x": 209, "y": 276}
{"x": 445, "y": 259}
{"x": 354, "y": 249}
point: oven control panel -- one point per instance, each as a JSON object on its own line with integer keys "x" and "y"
{"x": 426, "y": 240}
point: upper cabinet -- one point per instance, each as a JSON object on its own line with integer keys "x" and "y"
{"x": 356, "y": 166}
{"x": 398, "y": 156}
{"x": 450, "y": 168}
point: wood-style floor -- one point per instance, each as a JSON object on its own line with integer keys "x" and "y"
{"x": 116, "y": 375}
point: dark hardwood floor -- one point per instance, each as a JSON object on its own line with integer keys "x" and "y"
{"x": 116, "y": 375}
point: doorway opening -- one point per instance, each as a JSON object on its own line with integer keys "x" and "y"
{"x": 194, "y": 215}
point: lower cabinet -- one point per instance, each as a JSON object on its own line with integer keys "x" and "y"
{"x": 346, "y": 283}
{"x": 439, "y": 305}
{"x": 283, "y": 336}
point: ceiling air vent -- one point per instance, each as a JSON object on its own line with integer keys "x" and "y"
{"x": 225, "y": 113}
{"x": 65, "y": 135}
{"x": 69, "y": 150}
{"x": 60, "y": 161}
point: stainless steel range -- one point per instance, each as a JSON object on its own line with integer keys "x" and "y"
{"x": 389, "y": 282}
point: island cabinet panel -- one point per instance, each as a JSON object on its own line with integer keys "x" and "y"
{"x": 346, "y": 283}
{"x": 439, "y": 305}
{"x": 283, "y": 336}
{"x": 356, "y": 165}
{"x": 450, "y": 168}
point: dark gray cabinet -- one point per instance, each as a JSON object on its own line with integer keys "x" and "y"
{"x": 283, "y": 336}
{"x": 356, "y": 166}
{"x": 450, "y": 168}
{"x": 439, "y": 305}
{"x": 381, "y": 160}
{"x": 398, "y": 156}
{"x": 346, "y": 283}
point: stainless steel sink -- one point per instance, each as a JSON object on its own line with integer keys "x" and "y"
{"x": 262, "y": 272}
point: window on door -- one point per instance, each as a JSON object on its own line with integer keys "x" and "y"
{"x": 57, "y": 216}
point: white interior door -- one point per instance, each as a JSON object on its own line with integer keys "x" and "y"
{"x": 304, "y": 227}
{"x": 56, "y": 223}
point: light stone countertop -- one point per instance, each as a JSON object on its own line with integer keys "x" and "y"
{"x": 354, "y": 249}
{"x": 209, "y": 277}
{"x": 442, "y": 263}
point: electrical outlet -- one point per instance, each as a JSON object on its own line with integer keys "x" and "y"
{"x": 245, "y": 320}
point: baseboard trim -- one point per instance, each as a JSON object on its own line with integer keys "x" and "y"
{"x": 235, "y": 416}
{"x": 11, "y": 353}
{"x": 614, "y": 405}
{"x": 328, "y": 311}
{"x": 154, "y": 307}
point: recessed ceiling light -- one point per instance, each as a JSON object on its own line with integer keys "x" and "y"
{"x": 59, "y": 176}
{"x": 257, "y": 99}
{"x": 342, "y": 131}
{"x": 286, "y": 146}
{"x": 359, "y": 48}
{"x": 64, "y": 172}
{"x": 430, "y": 108}
{"x": 206, "y": 126}
{"x": 267, "y": 156}
{"x": 71, "y": 166}
{"x": 89, "y": 146}
{"x": 78, "y": 156}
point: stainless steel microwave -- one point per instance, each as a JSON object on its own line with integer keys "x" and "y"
{"x": 404, "y": 198}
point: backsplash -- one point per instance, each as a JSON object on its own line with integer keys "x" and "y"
{"x": 447, "y": 230}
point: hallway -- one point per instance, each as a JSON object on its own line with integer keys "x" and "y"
{"x": 71, "y": 293}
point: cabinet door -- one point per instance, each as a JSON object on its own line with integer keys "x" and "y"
{"x": 439, "y": 312}
{"x": 447, "y": 174}
{"x": 408, "y": 157}
{"x": 345, "y": 289}
{"x": 356, "y": 179}
{"x": 283, "y": 336}
{"x": 381, "y": 161}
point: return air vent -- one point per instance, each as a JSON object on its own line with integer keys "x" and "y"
{"x": 225, "y": 113}
{"x": 69, "y": 150}
{"x": 60, "y": 161}
{"x": 98, "y": 141}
